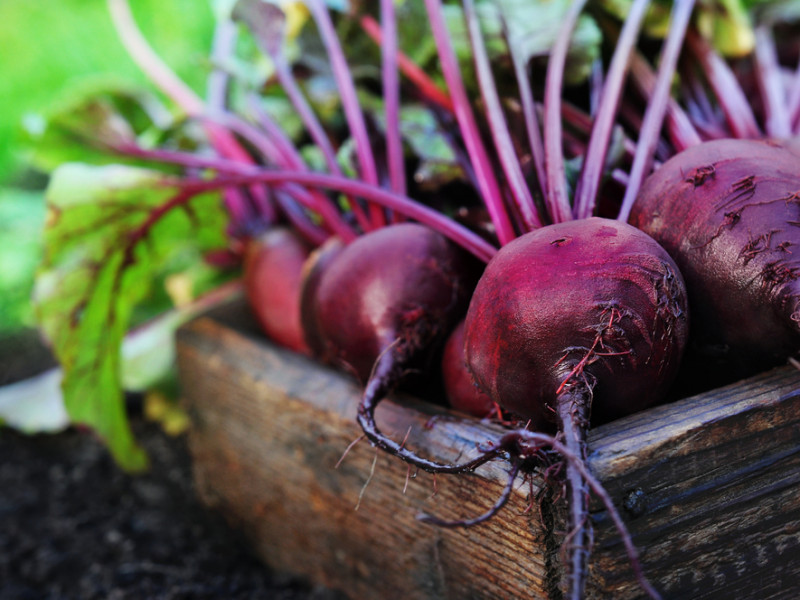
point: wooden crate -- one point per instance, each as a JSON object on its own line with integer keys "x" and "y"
{"x": 709, "y": 486}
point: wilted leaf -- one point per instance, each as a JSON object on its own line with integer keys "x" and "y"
{"x": 109, "y": 231}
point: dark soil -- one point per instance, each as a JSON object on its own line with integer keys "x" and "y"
{"x": 73, "y": 526}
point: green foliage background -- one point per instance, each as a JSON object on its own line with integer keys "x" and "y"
{"x": 46, "y": 49}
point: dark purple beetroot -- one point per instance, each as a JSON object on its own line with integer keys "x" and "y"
{"x": 572, "y": 321}
{"x": 460, "y": 389}
{"x": 315, "y": 266}
{"x": 728, "y": 212}
{"x": 402, "y": 286}
{"x": 592, "y": 302}
{"x": 272, "y": 276}
{"x": 383, "y": 306}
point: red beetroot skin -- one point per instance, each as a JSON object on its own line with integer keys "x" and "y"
{"x": 318, "y": 261}
{"x": 272, "y": 278}
{"x": 594, "y": 303}
{"x": 462, "y": 393}
{"x": 402, "y": 286}
{"x": 728, "y": 212}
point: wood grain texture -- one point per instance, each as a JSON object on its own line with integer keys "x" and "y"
{"x": 709, "y": 486}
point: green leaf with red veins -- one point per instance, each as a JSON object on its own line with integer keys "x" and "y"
{"x": 81, "y": 125}
{"x": 109, "y": 232}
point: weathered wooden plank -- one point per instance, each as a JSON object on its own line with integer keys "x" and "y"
{"x": 267, "y": 431}
{"x": 712, "y": 484}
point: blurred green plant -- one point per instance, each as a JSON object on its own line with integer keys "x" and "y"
{"x": 48, "y": 47}
{"x": 55, "y": 56}
{"x": 21, "y": 219}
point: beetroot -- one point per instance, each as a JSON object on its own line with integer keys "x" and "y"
{"x": 460, "y": 389}
{"x": 272, "y": 277}
{"x": 577, "y": 318}
{"x": 591, "y": 303}
{"x": 728, "y": 212}
{"x": 384, "y": 303}
{"x": 318, "y": 261}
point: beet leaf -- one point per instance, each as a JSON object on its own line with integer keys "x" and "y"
{"x": 108, "y": 231}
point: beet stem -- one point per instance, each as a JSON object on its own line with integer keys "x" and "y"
{"x": 597, "y": 79}
{"x": 682, "y": 133}
{"x": 727, "y": 89}
{"x": 528, "y": 112}
{"x": 581, "y": 123}
{"x": 306, "y": 113}
{"x": 149, "y": 62}
{"x": 236, "y": 174}
{"x": 168, "y": 82}
{"x": 298, "y": 101}
{"x": 497, "y": 123}
{"x": 260, "y": 19}
{"x": 298, "y": 218}
{"x": 484, "y": 170}
{"x": 557, "y": 196}
{"x": 586, "y": 189}
{"x": 260, "y": 142}
{"x": 222, "y": 47}
{"x": 770, "y": 85}
{"x": 293, "y": 159}
{"x": 426, "y": 87}
{"x": 462, "y": 236}
{"x": 217, "y": 87}
{"x": 573, "y": 408}
{"x": 698, "y": 99}
{"x": 657, "y": 106}
{"x": 349, "y": 98}
{"x": 265, "y": 145}
{"x": 391, "y": 98}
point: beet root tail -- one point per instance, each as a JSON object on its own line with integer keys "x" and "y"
{"x": 381, "y": 382}
{"x": 573, "y": 413}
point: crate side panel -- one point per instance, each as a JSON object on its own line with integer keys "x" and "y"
{"x": 266, "y": 456}
{"x": 712, "y": 486}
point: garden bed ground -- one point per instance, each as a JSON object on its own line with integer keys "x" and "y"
{"x": 73, "y": 526}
